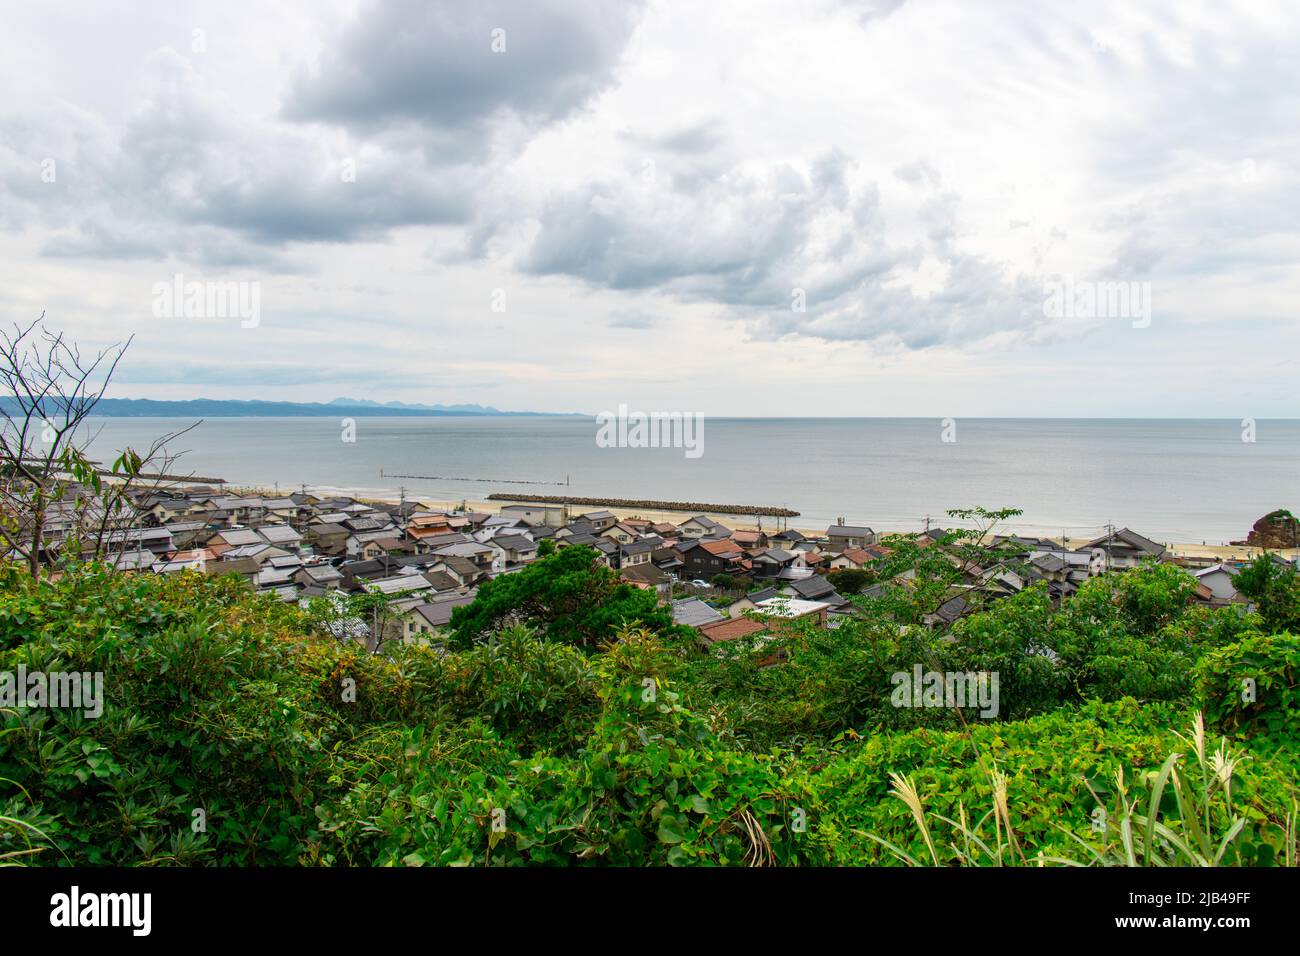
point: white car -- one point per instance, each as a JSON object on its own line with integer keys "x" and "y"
{"x": 700, "y": 584}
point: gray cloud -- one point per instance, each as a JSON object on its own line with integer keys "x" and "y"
{"x": 695, "y": 139}
{"x": 632, "y": 319}
{"x": 748, "y": 242}
{"x": 185, "y": 181}
{"x": 431, "y": 67}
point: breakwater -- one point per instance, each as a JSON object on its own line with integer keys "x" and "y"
{"x": 694, "y": 507}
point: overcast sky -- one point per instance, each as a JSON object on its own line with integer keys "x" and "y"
{"x": 837, "y": 207}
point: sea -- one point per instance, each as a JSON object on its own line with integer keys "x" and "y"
{"x": 1174, "y": 480}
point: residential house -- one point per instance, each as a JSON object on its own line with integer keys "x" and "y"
{"x": 433, "y": 542}
{"x": 730, "y": 629}
{"x": 551, "y": 516}
{"x": 772, "y": 562}
{"x": 693, "y": 612}
{"x": 644, "y": 575}
{"x": 1220, "y": 581}
{"x": 441, "y": 581}
{"x": 793, "y": 609}
{"x": 192, "y": 559}
{"x": 485, "y": 557}
{"x": 750, "y": 601}
{"x": 259, "y": 553}
{"x": 329, "y": 538}
{"x": 948, "y": 612}
{"x": 223, "y": 541}
{"x": 855, "y": 558}
{"x": 814, "y": 588}
{"x": 135, "y": 559}
{"x": 246, "y": 567}
{"x": 280, "y": 535}
{"x": 787, "y": 539}
{"x": 384, "y": 544}
{"x": 155, "y": 540}
{"x": 702, "y": 526}
{"x": 620, "y": 533}
{"x": 399, "y": 584}
{"x": 461, "y": 570}
{"x": 841, "y": 536}
{"x": 638, "y": 552}
{"x": 186, "y": 534}
{"x": 424, "y": 622}
{"x": 751, "y": 540}
{"x": 427, "y": 525}
{"x": 600, "y": 520}
{"x": 705, "y": 558}
{"x": 579, "y": 528}
{"x": 516, "y": 549}
{"x": 355, "y": 544}
{"x": 1125, "y": 548}
{"x": 668, "y": 560}
{"x": 318, "y": 575}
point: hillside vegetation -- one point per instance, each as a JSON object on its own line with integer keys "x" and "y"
{"x": 235, "y": 733}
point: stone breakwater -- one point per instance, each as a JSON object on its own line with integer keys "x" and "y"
{"x": 694, "y": 507}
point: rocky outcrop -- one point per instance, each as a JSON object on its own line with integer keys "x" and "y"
{"x": 1277, "y": 529}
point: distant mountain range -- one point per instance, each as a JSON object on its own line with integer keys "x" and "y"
{"x": 227, "y": 408}
{"x": 464, "y": 409}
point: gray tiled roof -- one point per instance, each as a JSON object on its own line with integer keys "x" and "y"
{"x": 693, "y": 612}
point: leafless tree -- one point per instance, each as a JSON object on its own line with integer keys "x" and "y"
{"x": 47, "y": 392}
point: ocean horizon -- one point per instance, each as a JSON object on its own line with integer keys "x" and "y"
{"x": 1175, "y": 480}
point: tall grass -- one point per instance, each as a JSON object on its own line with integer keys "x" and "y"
{"x": 1186, "y": 817}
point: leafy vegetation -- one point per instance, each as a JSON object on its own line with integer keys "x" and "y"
{"x": 568, "y": 594}
{"x": 569, "y": 721}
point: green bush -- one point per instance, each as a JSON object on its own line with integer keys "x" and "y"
{"x": 1253, "y": 684}
{"x": 638, "y": 747}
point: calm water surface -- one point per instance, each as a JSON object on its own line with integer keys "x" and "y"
{"x": 1175, "y": 480}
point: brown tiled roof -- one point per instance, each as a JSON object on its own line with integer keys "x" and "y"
{"x": 731, "y": 629}
{"x": 643, "y": 574}
{"x": 720, "y": 548}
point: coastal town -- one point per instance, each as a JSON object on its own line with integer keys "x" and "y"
{"x": 726, "y": 582}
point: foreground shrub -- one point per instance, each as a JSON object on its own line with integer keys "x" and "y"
{"x": 1254, "y": 684}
